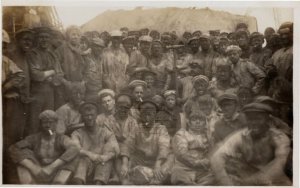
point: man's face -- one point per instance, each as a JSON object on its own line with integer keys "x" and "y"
{"x": 286, "y": 39}
{"x": 76, "y": 97}
{"x": 197, "y": 124}
{"x": 48, "y": 124}
{"x": 149, "y": 79}
{"x": 223, "y": 73}
{"x": 194, "y": 45}
{"x": 245, "y": 97}
{"x": 228, "y": 108}
{"x": 222, "y": 46}
{"x": 156, "y": 49}
{"x": 145, "y": 46}
{"x": 243, "y": 41}
{"x": 89, "y": 117}
{"x": 257, "y": 123}
{"x": 200, "y": 87}
{"x": 128, "y": 46}
{"x": 138, "y": 93}
{"x": 205, "y": 44}
{"x": 74, "y": 37}
{"x": 26, "y": 42}
{"x": 148, "y": 114}
{"x": 171, "y": 101}
{"x": 257, "y": 43}
{"x": 44, "y": 40}
{"x": 108, "y": 103}
{"x": 234, "y": 56}
{"x": 116, "y": 41}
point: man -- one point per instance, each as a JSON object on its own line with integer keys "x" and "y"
{"x": 98, "y": 146}
{"x": 107, "y": 100}
{"x": 207, "y": 55}
{"x": 46, "y": 76}
{"x": 14, "y": 121}
{"x": 123, "y": 125}
{"x": 245, "y": 72}
{"x": 68, "y": 114}
{"x": 259, "y": 56}
{"x": 129, "y": 44}
{"x": 114, "y": 63}
{"x": 255, "y": 155}
{"x": 42, "y": 157}
{"x": 191, "y": 147}
{"x": 140, "y": 58}
{"x": 154, "y": 34}
{"x": 70, "y": 58}
{"x": 231, "y": 120}
{"x": 283, "y": 58}
{"x": 149, "y": 149}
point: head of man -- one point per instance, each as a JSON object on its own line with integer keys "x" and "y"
{"x": 107, "y": 98}
{"x": 170, "y": 99}
{"x": 242, "y": 37}
{"x": 223, "y": 70}
{"x": 149, "y": 78}
{"x": 76, "y": 92}
{"x": 187, "y": 35}
{"x": 89, "y": 112}
{"x": 245, "y": 95}
{"x": 273, "y": 103}
{"x": 200, "y": 84}
{"x": 205, "y": 103}
{"x": 106, "y": 37}
{"x": 129, "y": 43}
{"x": 257, "y": 115}
{"x": 116, "y": 39}
{"x": 197, "y": 33}
{"x": 197, "y": 122}
{"x": 48, "y": 120}
{"x": 196, "y": 68}
{"x": 286, "y": 33}
{"x": 194, "y": 44}
{"x": 158, "y": 100}
{"x": 97, "y": 45}
{"x": 156, "y": 49}
{"x": 43, "y": 38}
{"x": 256, "y": 40}
{"x": 155, "y": 35}
{"x": 73, "y": 35}
{"x": 205, "y": 42}
{"x": 123, "y": 105}
{"x": 138, "y": 88}
{"x": 145, "y": 44}
{"x": 268, "y": 33}
{"x": 166, "y": 40}
{"x": 148, "y": 113}
{"x": 228, "y": 103}
{"x": 25, "y": 39}
{"x": 233, "y": 53}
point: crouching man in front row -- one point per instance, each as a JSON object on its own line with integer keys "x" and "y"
{"x": 43, "y": 158}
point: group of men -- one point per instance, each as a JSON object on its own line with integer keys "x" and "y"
{"x": 148, "y": 108}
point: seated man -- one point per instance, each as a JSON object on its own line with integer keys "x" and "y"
{"x": 69, "y": 116}
{"x": 150, "y": 148}
{"x": 97, "y": 145}
{"x": 255, "y": 155}
{"x": 42, "y": 157}
{"x": 191, "y": 147}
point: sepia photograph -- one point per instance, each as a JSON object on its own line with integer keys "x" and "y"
{"x": 148, "y": 93}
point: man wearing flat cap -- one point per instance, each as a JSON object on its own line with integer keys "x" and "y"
{"x": 259, "y": 55}
{"x": 255, "y": 155}
{"x": 283, "y": 58}
{"x": 231, "y": 119}
{"x": 107, "y": 101}
{"x": 114, "y": 62}
{"x": 140, "y": 57}
{"x": 242, "y": 38}
{"x": 245, "y": 72}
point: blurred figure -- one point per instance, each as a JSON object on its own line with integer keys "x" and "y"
{"x": 269, "y": 31}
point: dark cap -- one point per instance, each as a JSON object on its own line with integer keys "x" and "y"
{"x": 150, "y": 101}
{"x": 227, "y": 96}
{"x": 256, "y": 35}
{"x": 257, "y": 107}
{"x": 23, "y": 31}
{"x": 83, "y": 106}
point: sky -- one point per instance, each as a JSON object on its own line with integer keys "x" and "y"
{"x": 265, "y": 16}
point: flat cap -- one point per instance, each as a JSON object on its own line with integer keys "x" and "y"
{"x": 135, "y": 83}
{"x": 140, "y": 69}
{"x": 204, "y": 37}
{"x": 21, "y": 32}
{"x": 192, "y": 39}
{"x": 146, "y": 38}
{"x": 200, "y": 78}
{"x": 233, "y": 48}
{"x": 116, "y": 33}
{"x": 227, "y": 96}
{"x": 266, "y": 100}
{"x": 83, "y": 106}
{"x": 48, "y": 115}
{"x": 169, "y": 92}
{"x": 106, "y": 92}
{"x": 128, "y": 39}
{"x": 257, "y": 107}
{"x": 149, "y": 101}
{"x": 98, "y": 42}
